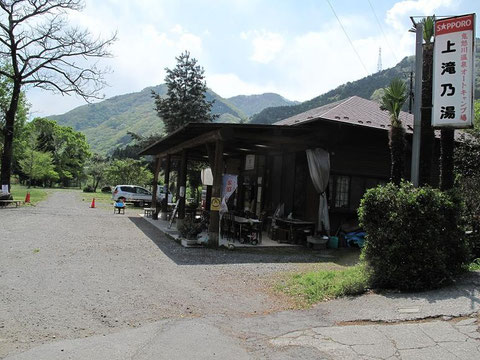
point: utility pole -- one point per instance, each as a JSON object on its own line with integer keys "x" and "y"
{"x": 379, "y": 63}
{"x": 417, "y": 104}
{"x": 410, "y": 93}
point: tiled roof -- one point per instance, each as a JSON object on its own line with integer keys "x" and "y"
{"x": 353, "y": 110}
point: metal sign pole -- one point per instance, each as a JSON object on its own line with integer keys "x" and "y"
{"x": 417, "y": 105}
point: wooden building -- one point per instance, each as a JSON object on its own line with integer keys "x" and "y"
{"x": 271, "y": 160}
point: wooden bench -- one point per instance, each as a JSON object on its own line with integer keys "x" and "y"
{"x": 5, "y": 203}
{"x": 148, "y": 212}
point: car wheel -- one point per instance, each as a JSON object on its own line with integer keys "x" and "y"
{"x": 141, "y": 203}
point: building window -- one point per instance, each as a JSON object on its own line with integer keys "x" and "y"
{"x": 342, "y": 191}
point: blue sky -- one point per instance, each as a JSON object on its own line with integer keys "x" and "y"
{"x": 295, "y": 48}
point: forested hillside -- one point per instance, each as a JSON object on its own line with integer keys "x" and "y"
{"x": 253, "y": 104}
{"x": 364, "y": 88}
{"x": 106, "y": 124}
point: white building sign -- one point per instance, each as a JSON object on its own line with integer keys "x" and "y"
{"x": 453, "y": 72}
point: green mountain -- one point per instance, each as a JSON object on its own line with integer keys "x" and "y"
{"x": 253, "y": 104}
{"x": 106, "y": 124}
{"x": 364, "y": 88}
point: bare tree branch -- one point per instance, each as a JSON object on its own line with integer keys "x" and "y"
{"x": 44, "y": 51}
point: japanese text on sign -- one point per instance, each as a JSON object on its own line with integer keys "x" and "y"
{"x": 453, "y": 61}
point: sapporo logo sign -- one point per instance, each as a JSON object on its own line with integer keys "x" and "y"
{"x": 453, "y": 72}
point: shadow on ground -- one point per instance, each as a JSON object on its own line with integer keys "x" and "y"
{"x": 205, "y": 256}
{"x": 465, "y": 286}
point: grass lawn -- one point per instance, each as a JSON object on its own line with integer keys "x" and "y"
{"x": 310, "y": 287}
{"x": 36, "y": 194}
{"x": 103, "y": 200}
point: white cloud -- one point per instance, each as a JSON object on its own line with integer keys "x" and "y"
{"x": 228, "y": 85}
{"x": 399, "y": 14}
{"x": 266, "y": 45}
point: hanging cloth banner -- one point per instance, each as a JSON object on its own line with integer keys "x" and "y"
{"x": 319, "y": 167}
{"x": 229, "y": 186}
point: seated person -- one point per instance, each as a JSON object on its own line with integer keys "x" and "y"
{"x": 119, "y": 205}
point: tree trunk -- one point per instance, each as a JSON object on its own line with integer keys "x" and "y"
{"x": 7, "y": 154}
{"x": 95, "y": 186}
{"x": 397, "y": 153}
{"x": 446, "y": 169}
{"x": 427, "y": 137}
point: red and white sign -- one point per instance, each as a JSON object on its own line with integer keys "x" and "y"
{"x": 453, "y": 72}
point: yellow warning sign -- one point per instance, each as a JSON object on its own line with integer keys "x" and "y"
{"x": 215, "y": 204}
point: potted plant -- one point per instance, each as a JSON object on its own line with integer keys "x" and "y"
{"x": 189, "y": 229}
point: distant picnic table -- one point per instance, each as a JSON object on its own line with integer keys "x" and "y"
{"x": 5, "y": 203}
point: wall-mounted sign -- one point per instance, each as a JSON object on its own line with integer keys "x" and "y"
{"x": 453, "y": 75}
{"x": 215, "y": 204}
{"x": 207, "y": 177}
{"x": 250, "y": 162}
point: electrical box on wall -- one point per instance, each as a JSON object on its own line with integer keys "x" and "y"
{"x": 250, "y": 162}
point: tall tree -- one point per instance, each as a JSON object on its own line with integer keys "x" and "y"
{"x": 69, "y": 148}
{"x": 392, "y": 101}
{"x": 96, "y": 169}
{"x": 44, "y": 52}
{"x": 128, "y": 171}
{"x": 38, "y": 165}
{"x": 185, "y": 100}
{"x": 22, "y": 136}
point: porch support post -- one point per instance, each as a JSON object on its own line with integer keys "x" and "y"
{"x": 213, "y": 230}
{"x": 158, "y": 162}
{"x": 182, "y": 183}
{"x": 211, "y": 161}
{"x": 167, "y": 188}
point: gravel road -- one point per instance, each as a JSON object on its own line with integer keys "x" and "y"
{"x": 68, "y": 272}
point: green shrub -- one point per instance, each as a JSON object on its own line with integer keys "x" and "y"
{"x": 414, "y": 241}
{"x": 88, "y": 189}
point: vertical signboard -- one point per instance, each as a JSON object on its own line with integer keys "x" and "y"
{"x": 229, "y": 186}
{"x": 453, "y": 72}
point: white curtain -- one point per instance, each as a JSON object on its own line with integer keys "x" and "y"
{"x": 319, "y": 167}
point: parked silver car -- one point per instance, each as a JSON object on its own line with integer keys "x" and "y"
{"x": 137, "y": 194}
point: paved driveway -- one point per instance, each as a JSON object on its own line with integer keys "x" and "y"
{"x": 81, "y": 283}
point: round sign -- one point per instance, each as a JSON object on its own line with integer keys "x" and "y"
{"x": 215, "y": 204}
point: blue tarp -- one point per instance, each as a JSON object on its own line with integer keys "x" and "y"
{"x": 355, "y": 239}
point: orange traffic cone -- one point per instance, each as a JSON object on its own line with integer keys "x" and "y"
{"x": 27, "y": 197}
{"x": 93, "y": 204}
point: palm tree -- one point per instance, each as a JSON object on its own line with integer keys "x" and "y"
{"x": 392, "y": 101}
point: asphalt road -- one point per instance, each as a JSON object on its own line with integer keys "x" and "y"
{"x": 81, "y": 283}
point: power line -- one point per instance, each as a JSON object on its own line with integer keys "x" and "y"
{"x": 348, "y": 37}
{"x": 383, "y": 33}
